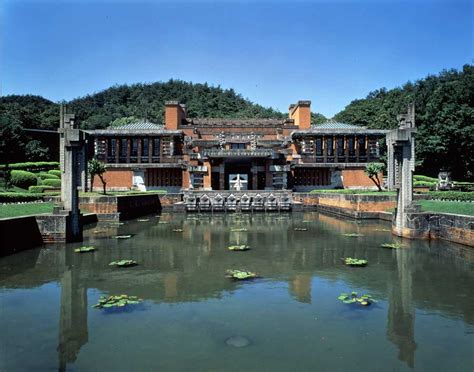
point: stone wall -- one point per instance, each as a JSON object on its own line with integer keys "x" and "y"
{"x": 451, "y": 227}
{"x": 18, "y": 234}
{"x": 349, "y": 202}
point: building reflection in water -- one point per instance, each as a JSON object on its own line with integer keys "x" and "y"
{"x": 73, "y": 318}
{"x": 300, "y": 262}
{"x": 401, "y": 312}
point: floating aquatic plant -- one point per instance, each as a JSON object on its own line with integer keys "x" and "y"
{"x": 84, "y": 249}
{"x": 383, "y": 230}
{"x": 177, "y": 230}
{"x": 143, "y": 220}
{"x": 123, "y": 263}
{"x": 116, "y": 301}
{"x": 300, "y": 229}
{"x": 353, "y": 235}
{"x": 240, "y": 229}
{"x": 353, "y": 298}
{"x": 240, "y": 274}
{"x": 163, "y": 222}
{"x": 122, "y": 236}
{"x": 238, "y": 248}
{"x": 354, "y": 261}
{"x": 391, "y": 245}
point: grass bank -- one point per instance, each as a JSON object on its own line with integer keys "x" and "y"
{"x": 442, "y": 206}
{"x": 28, "y": 209}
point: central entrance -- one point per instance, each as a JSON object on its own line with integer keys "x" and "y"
{"x": 243, "y": 173}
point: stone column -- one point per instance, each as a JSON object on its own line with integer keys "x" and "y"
{"x": 222, "y": 176}
{"x": 401, "y": 161}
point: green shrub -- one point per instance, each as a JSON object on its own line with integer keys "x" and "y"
{"x": 452, "y": 195}
{"x": 39, "y": 189}
{"x": 33, "y": 166}
{"x": 420, "y": 177}
{"x": 47, "y": 176}
{"x": 15, "y": 197}
{"x": 23, "y": 179}
{"x": 55, "y": 172}
{"x": 424, "y": 184}
{"x": 54, "y": 183}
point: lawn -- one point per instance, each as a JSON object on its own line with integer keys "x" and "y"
{"x": 27, "y": 209}
{"x": 443, "y": 206}
{"x": 352, "y": 192}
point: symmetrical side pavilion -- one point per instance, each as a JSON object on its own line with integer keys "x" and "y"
{"x": 236, "y": 154}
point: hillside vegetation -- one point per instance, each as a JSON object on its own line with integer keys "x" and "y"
{"x": 444, "y": 115}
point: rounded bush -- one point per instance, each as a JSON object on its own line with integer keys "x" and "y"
{"x": 54, "y": 183}
{"x": 39, "y": 189}
{"x": 23, "y": 179}
{"x": 15, "y": 197}
{"x": 48, "y": 176}
{"x": 55, "y": 172}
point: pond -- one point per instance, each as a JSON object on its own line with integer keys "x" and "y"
{"x": 194, "y": 318}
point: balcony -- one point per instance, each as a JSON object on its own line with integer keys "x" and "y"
{"x": 238, "y": 153}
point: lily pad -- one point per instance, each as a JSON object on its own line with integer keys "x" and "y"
{"x": 123, "y": 263}
{"x": 238, "y": 248}
{"x": 353, "y": 235}
{"x": 117, "y": 300}
{"x": 143, "y": 220}
{"x": 240, "y": 275}
{"x": 177, "y": 230}
{"x": 238, "y": 229}
{"x": 353, "y": 298}
{"x": 391, "y": 245}
{"x": 84, "y": 249}
{"x": 354, "y": 261}
{"x": 383, "y": 230}
{"x": 122, "y": 236}
{"x": 300, "y": 229}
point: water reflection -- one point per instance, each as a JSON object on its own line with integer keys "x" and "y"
{"x": 188, "y": 266}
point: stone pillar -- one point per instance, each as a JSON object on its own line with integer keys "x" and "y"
{"x": 401, "y": 165}
{"x": 64, "y": 225}
{"x": 222, "y": 176}
{"x": 207, "y": 176}
{"x": 254, "y": 171}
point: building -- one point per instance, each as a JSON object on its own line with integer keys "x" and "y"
{"x": 236, "y": 154}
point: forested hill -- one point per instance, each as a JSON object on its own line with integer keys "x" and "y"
{"x": 140, "y": 101}
{"x": 444, "y": 106}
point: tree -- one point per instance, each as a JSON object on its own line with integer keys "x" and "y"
{"x": 96, "y": 168}
{"x": 372, "y": 170}
{"x": 34, "y": 151}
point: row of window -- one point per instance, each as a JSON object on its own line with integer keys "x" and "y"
{"x": 316, "y": 146}
{"x": 121, "y": 147}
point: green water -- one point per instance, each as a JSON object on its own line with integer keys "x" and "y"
{"x": 423, "y": 320}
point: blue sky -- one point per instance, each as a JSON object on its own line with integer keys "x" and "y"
{"x": 272, "y": 52}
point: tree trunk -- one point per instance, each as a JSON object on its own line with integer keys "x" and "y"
{"x": 92, "y": 182}
{"x": 375, "y": 179}
{"x": 104, "y": 184}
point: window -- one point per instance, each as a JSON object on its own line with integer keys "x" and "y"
{"x": 350, "y": 143}
{"x": 319, "y": 146}
{"x": 111, "y": 146}
{"x": 237, "y": 146}
{"x": 123, "y": 147}
{"x": 156, "y": 147}
{"x": 340, "y": 147}
{"x": 134, "y": 151}
{"x": 145, "y": 147}
{"x": 362, "y": 150}
{"x": 330, "y": 144}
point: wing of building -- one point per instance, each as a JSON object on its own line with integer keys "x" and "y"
{"x": 236, "y": 154}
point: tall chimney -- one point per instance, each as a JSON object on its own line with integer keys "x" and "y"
{"x": 301, "y": 114}
{"x": 174, "y": 114}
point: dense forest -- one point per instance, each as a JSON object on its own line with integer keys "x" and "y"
{"x": 444, "y": 106}
{"x": 444, "y": 115}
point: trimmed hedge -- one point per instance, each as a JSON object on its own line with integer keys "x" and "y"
{"x": 47, "y": 176}
{"x": 32, "y": 166}
{"x": 15, "y": 197}
{"x": 55, "y": 172}
{"x": 424, "y": 184}
{"x": 54, "y": 183}
{"x": 420, "y": 177}
{"x": 40, "y": 189}
{"x": 23, "y": 179}
{"x": 452, "y": 195}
